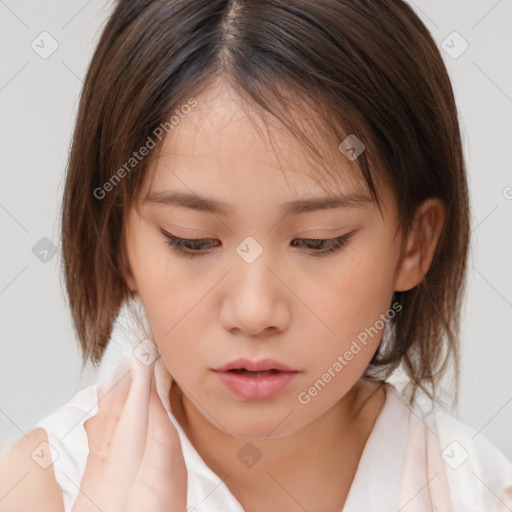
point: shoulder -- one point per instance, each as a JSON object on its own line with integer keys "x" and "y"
{"x": 27, "y": 478}
{"x": 477, "y": 472}
{"x": 460, "y": 444}
{"x": 42, "y": 470}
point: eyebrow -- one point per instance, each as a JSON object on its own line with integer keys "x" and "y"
{"x": 206, "y": 204}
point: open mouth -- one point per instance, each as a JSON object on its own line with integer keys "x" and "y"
{"x": 243, "y": 371}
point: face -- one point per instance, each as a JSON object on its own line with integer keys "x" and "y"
{"x": 258, "y": 285}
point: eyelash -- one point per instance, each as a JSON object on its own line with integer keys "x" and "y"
{"x": 177, "y": 244}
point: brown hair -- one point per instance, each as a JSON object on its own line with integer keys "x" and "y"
{"x": 367, "y": 68}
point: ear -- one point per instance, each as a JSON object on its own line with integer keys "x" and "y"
{"x": 421, "y": 244}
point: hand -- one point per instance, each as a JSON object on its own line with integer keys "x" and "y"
{"x": 135, "y": 460}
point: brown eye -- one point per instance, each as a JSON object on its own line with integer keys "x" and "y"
{"x": 196, "y": 246}
{"x": 324, "y": 246}
{"x": 188, "y": 246}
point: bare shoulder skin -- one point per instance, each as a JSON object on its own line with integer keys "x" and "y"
{"x": 27, "y": 480}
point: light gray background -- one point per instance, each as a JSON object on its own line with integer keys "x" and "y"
{"x": 39, "y": 357}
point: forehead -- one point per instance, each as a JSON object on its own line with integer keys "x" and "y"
{"x": 223, "y": 146}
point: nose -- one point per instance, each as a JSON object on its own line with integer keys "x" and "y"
{"x": 254, "y": 300}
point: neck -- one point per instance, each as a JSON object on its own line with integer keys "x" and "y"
{"x": 330, "y": 448}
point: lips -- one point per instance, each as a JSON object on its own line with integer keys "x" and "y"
{"x": 255, "y": 380}
{"x": 263, "y": 366}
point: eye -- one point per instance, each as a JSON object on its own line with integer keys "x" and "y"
{"x": 187, "y": 246}
{"x": 324, "y": 247}
{"x": 193, "y": 246}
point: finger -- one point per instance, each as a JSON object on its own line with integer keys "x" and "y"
{"x": 162, "y": 478}
{"x": 112, "y": 396}
{"x": 163, "y": 445}
{"x": 128, "y": 439}
{"x": 98, "y": 491}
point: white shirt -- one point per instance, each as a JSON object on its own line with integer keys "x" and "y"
{"x": 412, "y": 461}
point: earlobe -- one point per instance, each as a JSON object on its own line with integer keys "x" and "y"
{"x": 130, "y": 282}
{"x": 421, "y": 244}
{"x": 128, "y": 276}
{"x": 127, "y": 272}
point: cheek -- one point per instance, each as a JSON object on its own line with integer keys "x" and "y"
{"x": 159, "y": 275}
{"x": 177, "y": 332}
{"x": 176, "y": 311}
{"x": 171, "y": 297}
{"x": 351, "y": 299}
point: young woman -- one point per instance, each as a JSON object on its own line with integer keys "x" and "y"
{"x": 265, "y": 215}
